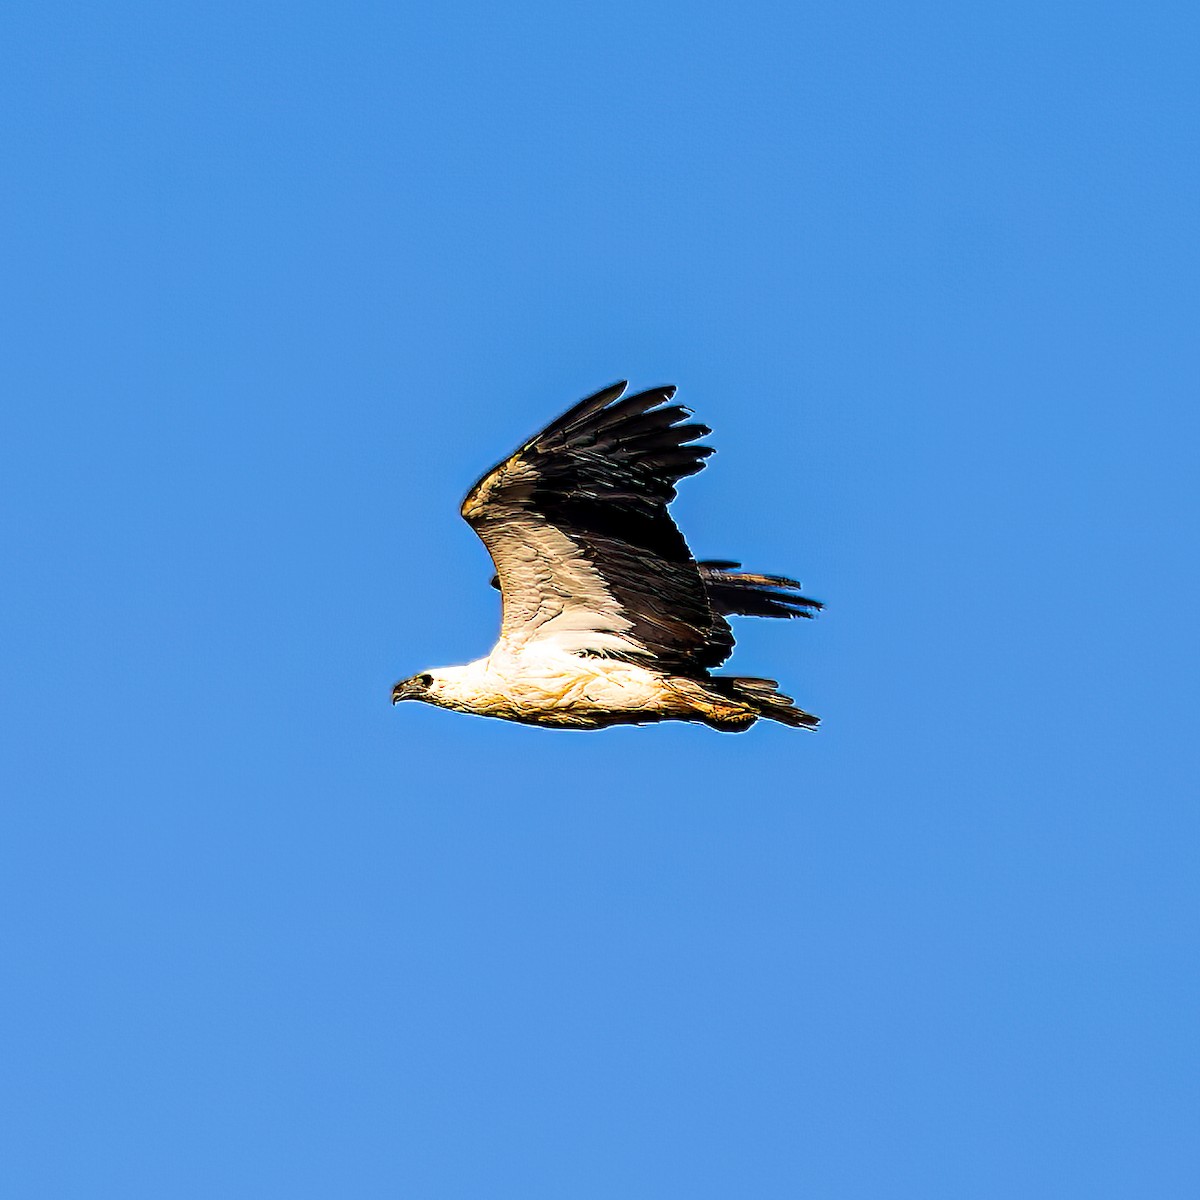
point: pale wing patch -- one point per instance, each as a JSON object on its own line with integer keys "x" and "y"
{"x": 553, "y": 596}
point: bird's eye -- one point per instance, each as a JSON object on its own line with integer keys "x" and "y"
{"x": 424, "y": 680}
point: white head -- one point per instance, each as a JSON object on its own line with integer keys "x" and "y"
{"x": 435, "y": 686}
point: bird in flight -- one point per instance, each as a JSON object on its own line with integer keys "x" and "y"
{"x": 607, "y": 617}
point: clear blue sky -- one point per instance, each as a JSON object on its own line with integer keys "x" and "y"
{"x": 279, "y": 281}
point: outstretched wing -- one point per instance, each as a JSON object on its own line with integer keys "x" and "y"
{"x": 576, "y": 521}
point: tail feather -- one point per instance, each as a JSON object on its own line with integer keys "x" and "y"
{"x": 736, "y": 593}
{"x": 764, "y": 698}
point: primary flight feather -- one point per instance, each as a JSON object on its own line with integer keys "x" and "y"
{"x": 607, "y": 617}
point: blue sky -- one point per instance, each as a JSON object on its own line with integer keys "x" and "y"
{"x": 280, "y": 282}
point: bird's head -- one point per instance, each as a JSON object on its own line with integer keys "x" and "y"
{"x": 419, "y": 687}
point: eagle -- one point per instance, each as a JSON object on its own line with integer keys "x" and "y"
{"x": 607, "y": 618}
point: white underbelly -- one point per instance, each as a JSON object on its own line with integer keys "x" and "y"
{"x": 564, "y": 689}
{"x": 580, "y": 682}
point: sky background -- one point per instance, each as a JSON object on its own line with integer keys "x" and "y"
{"x": 280, "y": 280}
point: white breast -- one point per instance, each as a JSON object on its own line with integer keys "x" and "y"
{"x": 539, "y": 682}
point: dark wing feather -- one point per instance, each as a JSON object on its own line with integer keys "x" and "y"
{"x": 736, "y": 593}
{"x": 576, "y": 522}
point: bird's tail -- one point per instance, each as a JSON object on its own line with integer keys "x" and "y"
{"x": 763, "y": 698}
